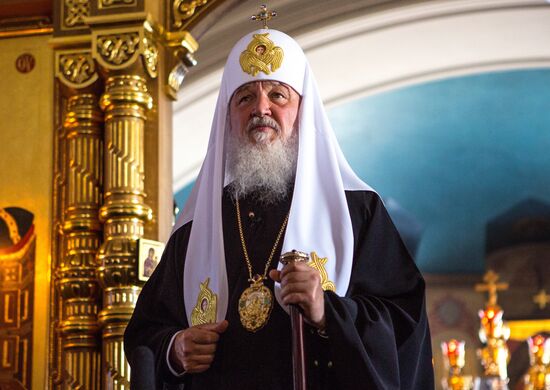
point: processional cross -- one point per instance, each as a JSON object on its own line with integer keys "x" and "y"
{"x": 264, "y": 16}
{"x": 491, "y": 286}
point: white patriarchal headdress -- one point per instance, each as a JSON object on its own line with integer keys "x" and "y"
{"x": 319, "y": 217}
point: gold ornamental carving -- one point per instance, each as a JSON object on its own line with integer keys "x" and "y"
{"x": 121, "y": 50}
{"x": 185, "y": 9}
{"x": 104, "y": 4}
{"x": 74, "y": 12}
{"x": 118, "y": 51}
{"x": 75, "y": 69}
{"x": 150, "y": 57}
{"x": 181, "y": 46}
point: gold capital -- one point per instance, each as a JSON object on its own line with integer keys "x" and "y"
{"x": 75, "y": 68}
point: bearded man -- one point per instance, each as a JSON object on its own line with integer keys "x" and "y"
{"x": 273, "y": 180}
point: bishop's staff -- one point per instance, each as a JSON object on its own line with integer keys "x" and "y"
{"x": 297, "y": 325}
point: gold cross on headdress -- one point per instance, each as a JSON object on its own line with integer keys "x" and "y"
{"x": 491, "y": 286}
{"x": 541, "y": 299}
{"x": 264, "y": 16}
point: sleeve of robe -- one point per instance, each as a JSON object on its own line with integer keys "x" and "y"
{"x": 160, "y": 311}
{"x": 378, "y": 335}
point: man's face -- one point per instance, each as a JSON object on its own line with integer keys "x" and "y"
{"x": 263, "y": 111}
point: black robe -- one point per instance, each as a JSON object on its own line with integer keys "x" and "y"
{"x": 378, "y": 335}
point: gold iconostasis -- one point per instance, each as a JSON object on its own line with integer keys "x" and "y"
{"x": 86, "y": 100}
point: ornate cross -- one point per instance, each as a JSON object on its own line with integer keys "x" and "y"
{"x": 264, "y": 16}
{"x": 541, "y": 299}
{"x": 491, "y": 286}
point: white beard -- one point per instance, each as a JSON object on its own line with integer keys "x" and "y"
{"x": 263, "y": 170}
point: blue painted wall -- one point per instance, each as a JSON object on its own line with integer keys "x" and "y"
{"x": 454, "y": 154}
{"x": 181, "y": 196}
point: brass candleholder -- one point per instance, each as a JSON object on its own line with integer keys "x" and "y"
{"x": 494, "y": 354}
{"x": 454, "y": 360}
{"x": 538, "y": 375}
{"x": 494, "y": 334}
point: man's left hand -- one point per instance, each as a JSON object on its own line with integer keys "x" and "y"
{"x": 301, "y": 285}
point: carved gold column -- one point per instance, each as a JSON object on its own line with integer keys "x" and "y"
{"x": 80, "y": 151}
{"x": 125, "y": 102}
{"x": 142, "y": 50}
{"x": 76, "y": 275}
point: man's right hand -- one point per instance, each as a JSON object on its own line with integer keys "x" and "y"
{"x": 193, "y": 349}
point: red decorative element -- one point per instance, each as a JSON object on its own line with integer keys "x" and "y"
{"x": 20, "y": 244}
{"x": 25, "y": 63}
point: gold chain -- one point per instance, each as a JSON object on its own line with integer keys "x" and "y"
{"x": 246, "y": 258}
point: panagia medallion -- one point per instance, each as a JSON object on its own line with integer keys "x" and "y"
{"x": 255, "y": 305}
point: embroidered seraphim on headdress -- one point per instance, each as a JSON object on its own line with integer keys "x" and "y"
{"x": 261, "y": 55}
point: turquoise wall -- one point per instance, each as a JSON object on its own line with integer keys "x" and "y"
{"x": 454, "y": 154}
